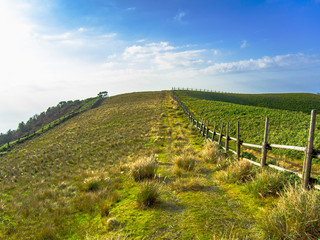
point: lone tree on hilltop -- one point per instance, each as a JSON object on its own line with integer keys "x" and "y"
{"x": 103, "y": 94}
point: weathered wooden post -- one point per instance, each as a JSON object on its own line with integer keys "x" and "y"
{"x": 309, "y": 152}
{"x": 201, "y": 125}
{"x": 220, "y": 137}
{"x": 265, "y": 144}
{"x": 207, "y": 129}
{"x": 238, "y": 141}
{"x": 204, "y": 128}
{"x": 227, "y": 137}
{"x": 214, "y": 131}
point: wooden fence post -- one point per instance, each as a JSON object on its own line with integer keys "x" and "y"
{"x": 265, "y": 144}
{"x": 227, "y": 137}
{"x": 207, "y": 129}
{"x": 201, "y": 125}
{"x": 214, "y": 131}
{"x": 204, "y": 128}
{"x": 309, "y": 152}
{"x": 238, "y": 141}
{"x": 220, "y": 137}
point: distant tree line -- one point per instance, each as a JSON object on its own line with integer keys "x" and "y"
{"x": 37, "y": 121}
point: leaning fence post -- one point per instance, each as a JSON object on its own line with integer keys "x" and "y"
{"x": 238, "y": 141}
{"x": 227, "y": 137}
{"x": 220, "y": 137}
{"x": 207, "y": 129}
{"x": 201, "y": 126}
{"x": 265, "y": 144}
{"x": 214, "y": 131}
{"x": 308, "y": 152}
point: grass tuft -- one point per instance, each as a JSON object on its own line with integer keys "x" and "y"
{"x": 189, "y": 184}
{"x": 185, "y": 162}
{"x": 295, "y": 216}
{"x": 210, "y": 152}
{"x": 144, "y": 168}
{"x": 238, "y": 172}
{"x": 148, "y": 194}
{"x": 113, "y": 224}
{"x": 267, "y": 183}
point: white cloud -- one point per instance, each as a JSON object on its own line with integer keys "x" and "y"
{"x": 179, "y": 16}
{"x": 291, "y": 61}
{"x": 243, "y": 44}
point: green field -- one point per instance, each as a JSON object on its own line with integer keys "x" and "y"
{"x": 285, "y": 127}
{"x": 301, "y": 102}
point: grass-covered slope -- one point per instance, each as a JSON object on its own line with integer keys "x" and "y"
{"x": 302, "y": 102}
{"x": 285, "y": 127}
{"x": 76, "y": 181}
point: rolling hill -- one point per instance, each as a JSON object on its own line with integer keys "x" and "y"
{"x": 76, "y": 180}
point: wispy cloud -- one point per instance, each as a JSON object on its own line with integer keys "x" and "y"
{"x": 180, "y": 15}
{"x": 244, "y": 43}
{"x": 291, "y": 61}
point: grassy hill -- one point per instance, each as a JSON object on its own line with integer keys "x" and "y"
{"x": 77, "y": 181}
{"x": 285, "y": 126}
{"x": 301, "y": 102}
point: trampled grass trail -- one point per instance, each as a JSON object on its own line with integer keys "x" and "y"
{"x": 70, "y": 182}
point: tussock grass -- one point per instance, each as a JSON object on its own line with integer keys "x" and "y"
{"x": 113, "y": 224}
{"x": 144, "y": 168}
{"x": 186, "y": 162}
{"x": 210, "y": 152}
{"x": 267, "y": 183}
{"x": 295, "y": 216}
{"x": 148, "y": 194}
{"x": 237, "y": 172}
{"x": 188, "y": 184}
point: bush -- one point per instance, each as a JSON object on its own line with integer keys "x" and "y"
{"x": 148, "y": 194}
{"x": 185, "y": 162}
{"x": 295, "y": 216}
{"x": 144, "y": 168}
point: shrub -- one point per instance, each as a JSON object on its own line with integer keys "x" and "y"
{"x": 185, "y": 162}
{"x": 295, "y": 216}
{"x": 144, "y": 168}
{"x": 148, "y": 194}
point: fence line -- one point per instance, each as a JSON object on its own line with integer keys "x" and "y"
{"x": 203, "y": 127}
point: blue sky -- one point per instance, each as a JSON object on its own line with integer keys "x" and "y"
{"x": 54, "y": 50}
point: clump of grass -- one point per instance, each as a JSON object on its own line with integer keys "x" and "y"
{"x": 85, "y": 203}
{"x": 189, "y": 184}
{"x": 94, "y": 183}
{"x": 104, "y": 208}
{"x": 144, "y": 168}
{"x": 148, "y": 194}
{"x": 267, "y": 183}
{"x": 238, "y": 172}
{"x": 113, "y": 224}
{"x": 295, "y": 216}
{"x": 211, "y": 152}
{"x": 185, "y": 162}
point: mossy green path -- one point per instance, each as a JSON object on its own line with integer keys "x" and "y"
{"x": 68, "y": 182}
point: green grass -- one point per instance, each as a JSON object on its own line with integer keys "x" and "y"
{"x": 301, "y": 102}
{"x": 75, "y": 182}
{"x": 285, "y": 127}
